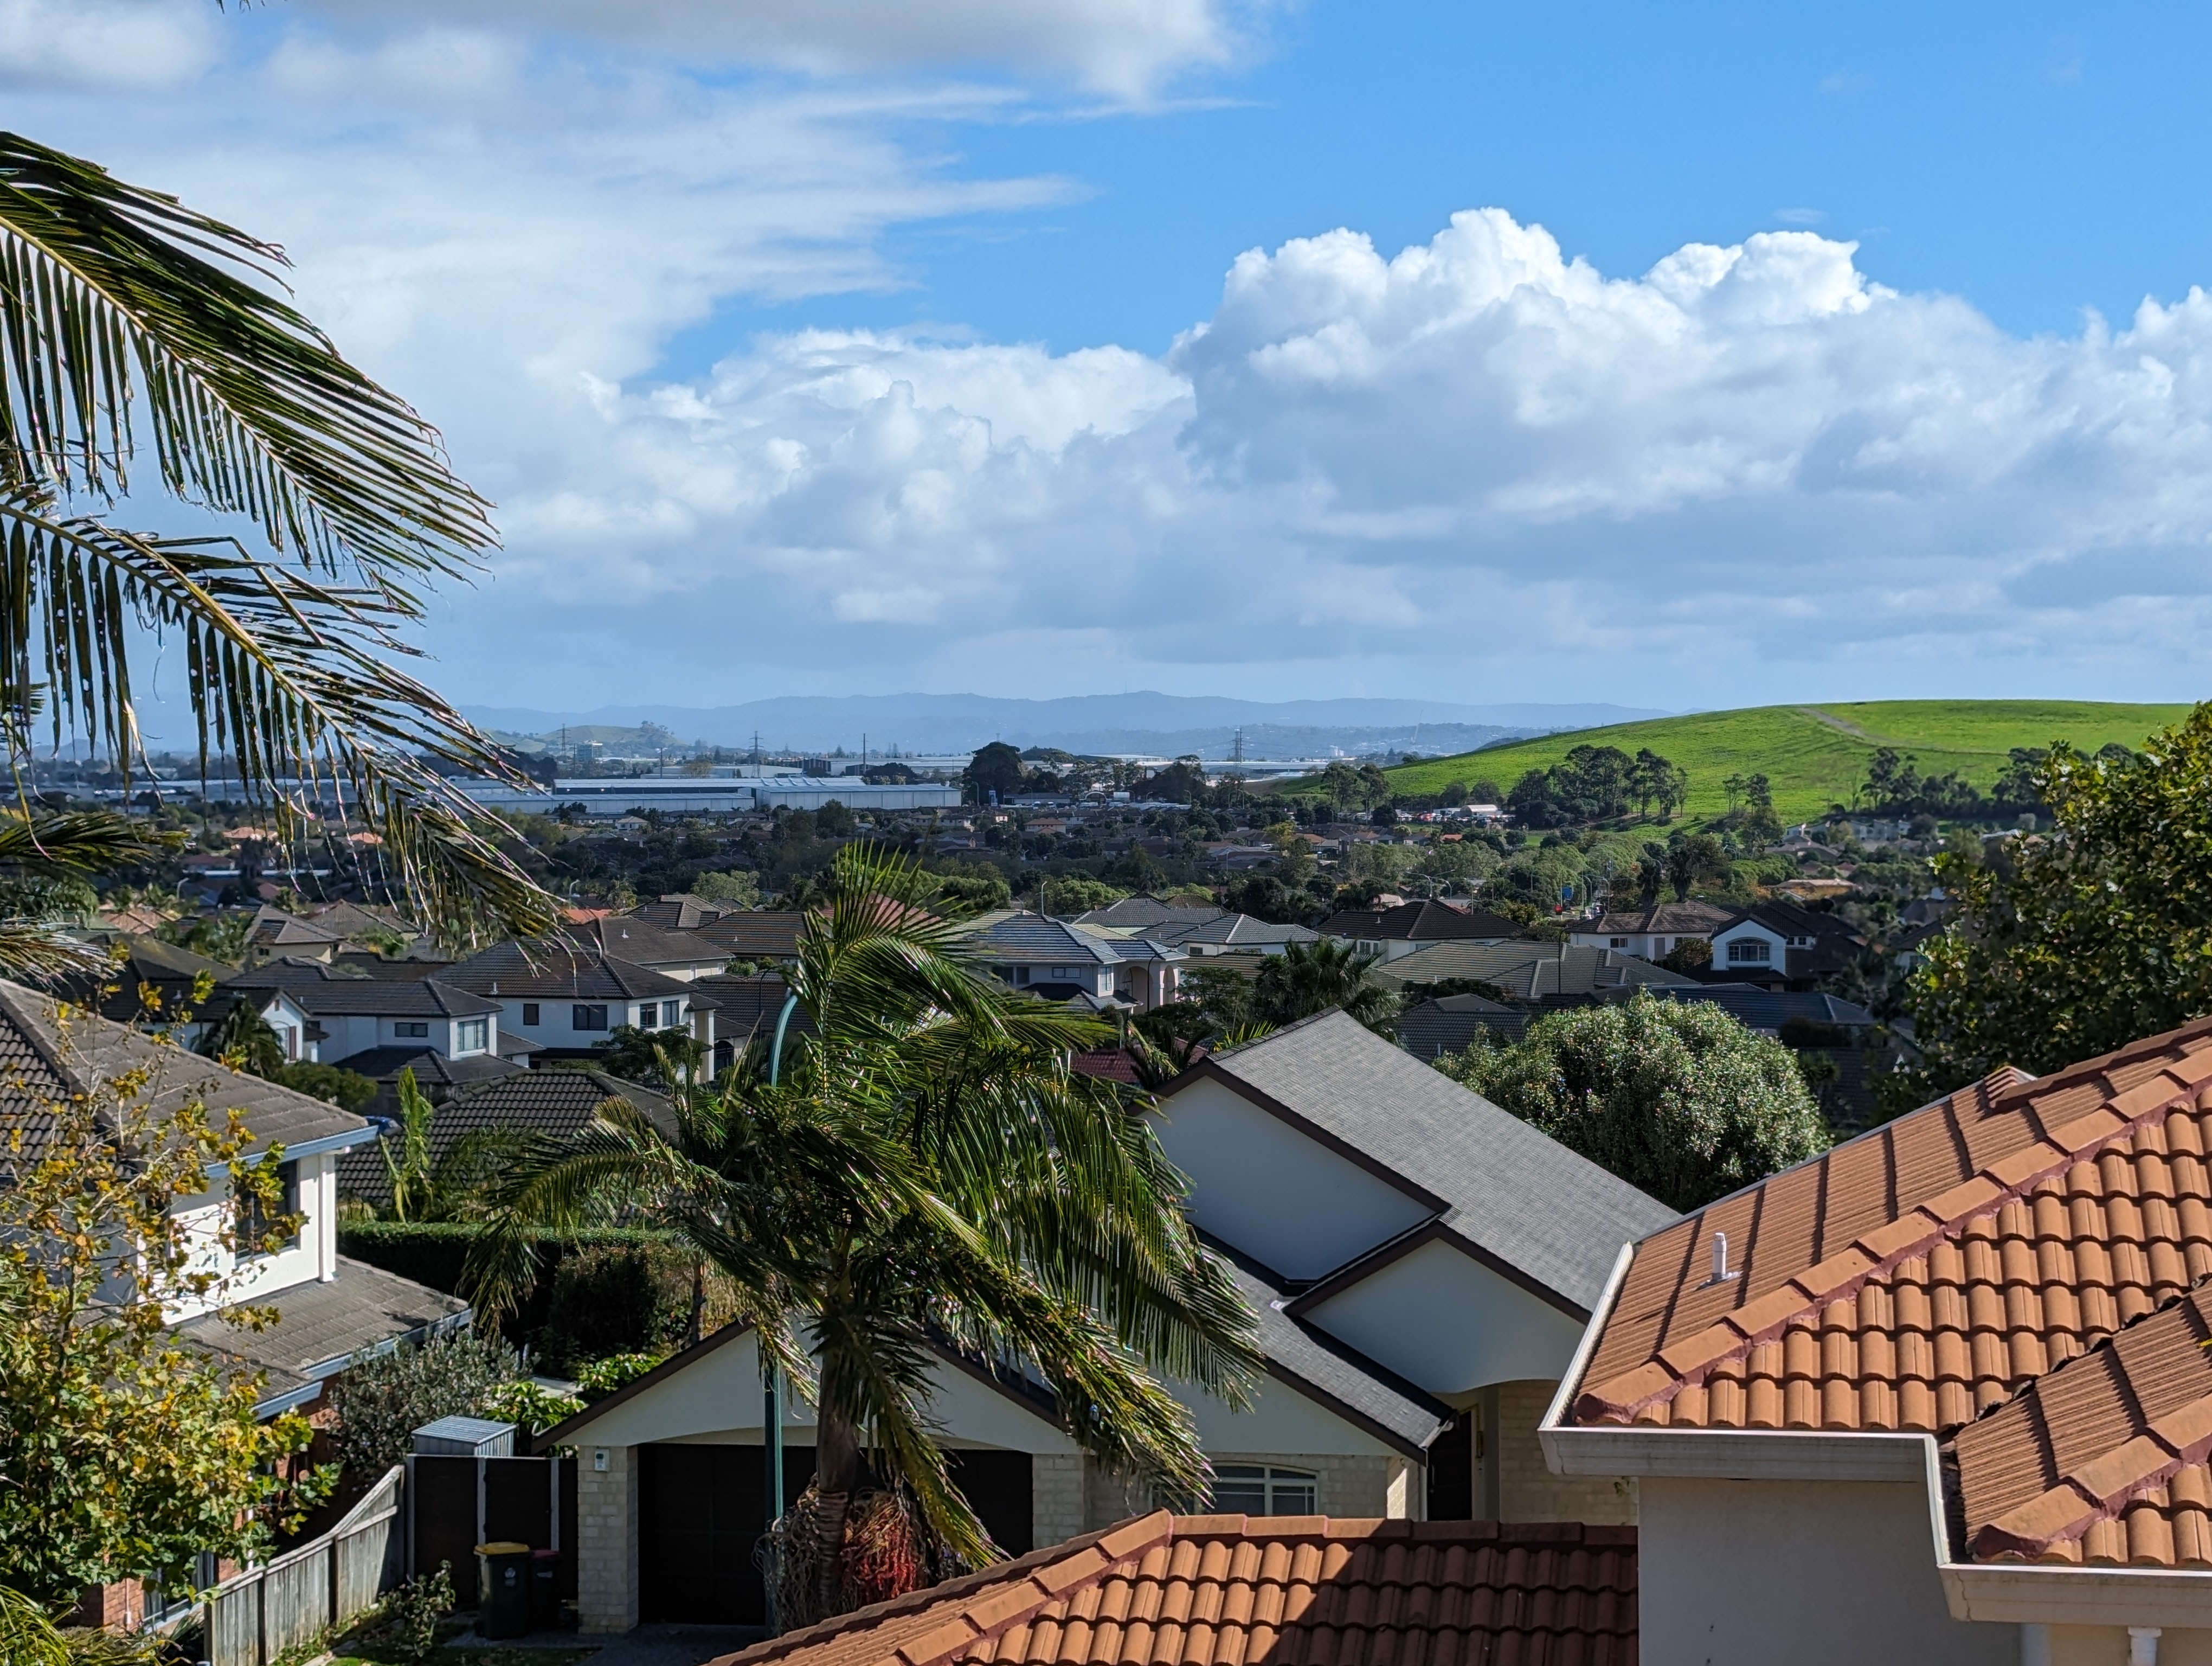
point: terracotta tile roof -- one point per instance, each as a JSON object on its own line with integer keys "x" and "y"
{"x": 1232, "y": 1590}
{"x": 2102, "y": 1461}
{"x": 1925, "y": 1272}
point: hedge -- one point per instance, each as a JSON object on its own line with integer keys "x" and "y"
{"x": 605, "y": 1291}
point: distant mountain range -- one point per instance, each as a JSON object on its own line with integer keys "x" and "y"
{"x": 1164, "y": 724}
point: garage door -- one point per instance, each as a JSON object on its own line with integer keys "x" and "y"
{"x": 700, "y": 1520}
{"x": 700, "y": 1523}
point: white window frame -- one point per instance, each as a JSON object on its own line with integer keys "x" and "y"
{"x": 1284, "y": 1491}
{"x": 471, "y": 1034}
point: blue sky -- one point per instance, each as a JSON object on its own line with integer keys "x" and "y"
{"x": 1683, "y": 356}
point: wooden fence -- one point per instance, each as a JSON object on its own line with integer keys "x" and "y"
{"x": 259, "y": 1614}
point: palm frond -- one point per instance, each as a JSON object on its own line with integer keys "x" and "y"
{"x": 119, "y": 306}
{"x": 34, "y": 953}
{"x": 79, "y": 840}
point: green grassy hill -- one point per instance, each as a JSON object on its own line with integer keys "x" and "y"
{"x": 1815, "y": 755}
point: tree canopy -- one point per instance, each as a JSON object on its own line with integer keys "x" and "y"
{"x": 2069, "y": 945}
{"x": 1676, "y": 1097}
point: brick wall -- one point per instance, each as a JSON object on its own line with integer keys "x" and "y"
{"x": 1058, "y": 1507}
{"x": 606, "y": 1539}
{"x": 1528, "y": 1491}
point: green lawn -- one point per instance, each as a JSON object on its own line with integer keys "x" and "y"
{"x": 1815, "y": 755}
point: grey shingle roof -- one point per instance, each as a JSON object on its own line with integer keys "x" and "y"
{"x": 1692, "y": 919}
{"x": 1234, "y": 931}
{"x": 640, "y": 943}
{"x": 1448, "y": 1024}
{"x": 383, "y": 1064}
{"x": 368, "y": 997}
{"x": 1529, "y": 970}
{"x": 321, "y": 1326}
{"x": 1770, "y": 1009}
{"x": 1304, "y": 1352}
{"x": 45, "y": 1059}
{"x": 1423, "y": 921}
{"x": 1513, "y": 1192}
{"x": 1148, "y": 911}
{"x": 1024, "y": 936}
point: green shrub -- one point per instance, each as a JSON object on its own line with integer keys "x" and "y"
{"x": 380, "y": 1400}
{"x": 349, "y": 1089}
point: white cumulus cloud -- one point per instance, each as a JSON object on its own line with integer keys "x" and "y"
{"x": 1478, "y": 461}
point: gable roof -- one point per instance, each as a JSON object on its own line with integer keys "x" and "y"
{"x": 1425, "y": 921}
{"x": 557, "y": 970}
{"x": 1020, "y": 934}
{"x": 368, "y": 997}
{"x": 1930, "y": 1270}
{"x": 1527, "y": 970}
{"x": 1666, "y": 919}
{"x": 628, "y": 938}
{"x": 682, "y": 911}
{"x": 1515, "y": 1195}
{"x": 1447, "y": 1024}
{"x": 1234, "y": 1591}
{"x": 1144, "y": 911}
{"x": 1768, "y": 1010}
{"x": 49, "y": 1054}
{"x": 1236, "y": 931}
{"x": 146, "y": 962}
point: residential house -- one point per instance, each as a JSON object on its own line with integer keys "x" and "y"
{"x": 1244, "y": 1589}
{"x": 568, "y": 996}
{"x": 1529, "y": 972}
{"x": 1056, "y": 961}
{"x": 1232, "y": 933}
{"x": 1785, "y": 942}
{"x": 1394, "y": 932}
{"x": 275, "y": 932}
{"x": 748, "y": 1006}
{"x": 354, "y": 1014}
{"x": 681, "y": 954}
{"x": 1148, "y": 912}
{"x": 146, "y": 978}
{"x": 1431, "y": 1240}
{"x": 1653, "y": 933}
{"x": 1389, "y": 1230}
{"x": 734, "y": 933}
{"x": 329, "y": 1308}
{"x": 1938, "y": 1396}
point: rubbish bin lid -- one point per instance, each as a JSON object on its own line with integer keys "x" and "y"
{"x": 546, "y": 1555}
{"x": 503, "y": 1548}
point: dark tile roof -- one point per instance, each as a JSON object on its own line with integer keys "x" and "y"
{"x": 546, "y": 1102}
{"x": 289, "y": 971}
{"x": 276, "y": 928}
{"x": 553, "y": 970}
{"x": 319, "y": 1326}
{"x": 148, "y": 963}
{"x": 754, "y": 934}
{"x": 1024, "y": 936}
{"x": 431, "y": 1069}
{"x": 1447, "y": 1024}
{"x": 1768, "y": 1010}
{"x": 681, "y": 911}
{"x": 1513, "y": 1192}
{"x": 1529, "y": 971}
{"x": 1423, "y": 921}
{"x": 1234, "y": 931}
{"x": 1257, "y": 1591}
{"x": 46, "y": 1056}
{"x": 626, "y": 936}
{"x": 368, "y": 997}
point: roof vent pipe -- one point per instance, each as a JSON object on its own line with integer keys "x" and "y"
{"x": 1721, "y": 1273}
{"x": 2142, "y": 1645}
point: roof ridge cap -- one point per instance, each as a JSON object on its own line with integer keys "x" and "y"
{"x": 2100, "y": 1488}
{"x": 1915, "y": 1231}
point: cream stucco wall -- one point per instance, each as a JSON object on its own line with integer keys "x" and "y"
{"x": 1261, "y": 1185}
{"x": 1811, "y": 1573}
{"x": 1499, "y": 1331}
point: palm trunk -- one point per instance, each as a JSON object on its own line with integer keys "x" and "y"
{"x": 836, "y": 1477}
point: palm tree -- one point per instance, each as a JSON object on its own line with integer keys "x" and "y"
{"x": 923, "y": 1170}
{"x": 451, "y": 1184}
{"x": 128, "y": 321}
{"x": 1308, "y": 978}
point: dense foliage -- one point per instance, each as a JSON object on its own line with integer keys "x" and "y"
{"x": 380, "y": 1400}
{"x": 2069, "y": 945}
{"x": 126, "y": 1451}
{"x": 1676, "y": 1097}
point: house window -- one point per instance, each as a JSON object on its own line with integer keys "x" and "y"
{"x": 1750, "y": 951}
{"x": 587, "y": 1017}
{"x": 255, "y": 1219}
{"x": 1620, "y": 942}
{"x": 530, "y": 1011}
{"x": 291, "y": 1034}
{"x": 672, "y": 1013}
{"x": 404, "y": 1028}
{"x": 471, "y": 1034}
{"x": 1261, "y": 1489}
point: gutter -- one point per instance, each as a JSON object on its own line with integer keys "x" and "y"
{"x": 328, "y": 1142}
{"x": 2001, "y": 1593}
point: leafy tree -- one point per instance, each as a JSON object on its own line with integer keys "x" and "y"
{"x": 1308, "y": 978}
{"x": 1067, "y": 895}
{"x": 1268, "y": 896}
{"x": 137, "y": 322}
{"x": 1182, "y": 782}
{"x": 1532, "y": 802}
{"x": 657, "y": 1058}
{"x": 834, "y": 821}
{"x": 926, "y": 1167}
{"x": 346, "y": 1089}
{"x": 976, "y": 891}
{"x": 1675, "y": 1097}
{"x": 997, "y": 768}
{"x": 742, "y": 889}
{"x": 1699, "y": 857}
{"x": 2095, "y": 936}
{"x": 126, "y": 1451}
{"x": 381, "y": 1399}
{"x": 424, "y": 1184}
